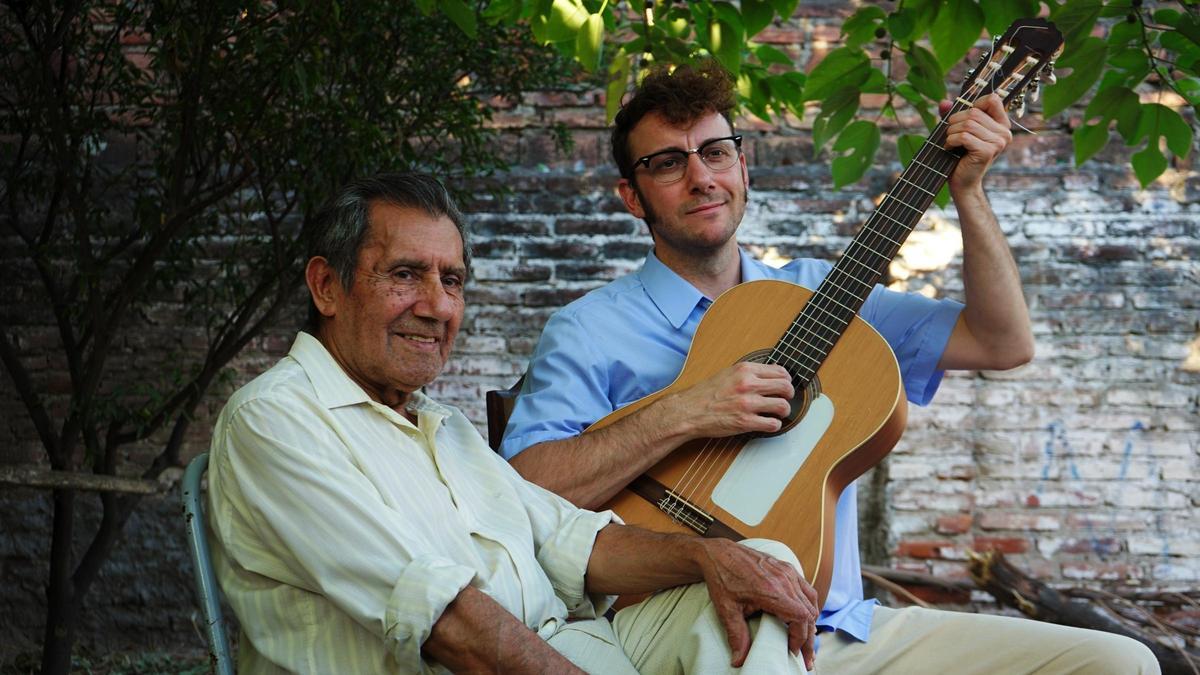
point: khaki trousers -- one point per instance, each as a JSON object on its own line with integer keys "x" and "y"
{"x": 916, "y": 640}
{"x": 677, "y": 631}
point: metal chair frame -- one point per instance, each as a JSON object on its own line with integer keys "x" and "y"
{"x": 207, "y": 591}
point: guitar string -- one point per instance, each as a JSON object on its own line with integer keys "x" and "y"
{"x": 904, "y": 191}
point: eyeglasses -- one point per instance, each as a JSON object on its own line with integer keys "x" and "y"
{"x": 668, "y": 166}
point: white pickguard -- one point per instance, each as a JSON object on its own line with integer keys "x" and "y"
{"x": 765, "y": 466}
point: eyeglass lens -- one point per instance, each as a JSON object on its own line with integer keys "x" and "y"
{"x": 668, "y": 167}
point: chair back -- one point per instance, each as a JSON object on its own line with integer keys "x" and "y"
{"x": 500, "y": 404}
{"x": 206, "y": 582}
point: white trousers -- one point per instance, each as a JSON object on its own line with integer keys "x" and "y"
{"x": 677, "y": 632}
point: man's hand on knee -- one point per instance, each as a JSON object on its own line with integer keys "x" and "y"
{"x": 743, "y": 582}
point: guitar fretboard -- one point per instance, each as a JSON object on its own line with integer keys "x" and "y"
{"x": 817, "y": 328}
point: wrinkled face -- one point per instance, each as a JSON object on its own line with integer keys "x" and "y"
{"x": 393, "y": 330}
{"x": 697, "y": 214}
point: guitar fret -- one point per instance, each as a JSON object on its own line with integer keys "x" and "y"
{"x": 905, "y": 180}
{"x": 882, "y": 256}
{"x": 797, "y": 362}
{"x": 844, "y": 290}
{"x": 894, "y": 198}
{"x": 917, "y": 161}
{"x": 901, "y": 224}
{"x": 828, "y": 313}
{"x": 861, "y": 264}
{"x": 814, "y": 335}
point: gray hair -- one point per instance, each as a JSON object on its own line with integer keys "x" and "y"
{"x": 342, "y": 224}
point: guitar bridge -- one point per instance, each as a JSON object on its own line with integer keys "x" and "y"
{"x": 682, "y": 511}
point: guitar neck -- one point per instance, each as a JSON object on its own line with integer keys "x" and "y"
{"x": 820, "y": 324}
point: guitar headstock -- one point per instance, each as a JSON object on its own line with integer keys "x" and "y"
{"x": 1018, "y": 60}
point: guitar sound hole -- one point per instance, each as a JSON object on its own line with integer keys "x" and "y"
{"x": 798, "y": 404}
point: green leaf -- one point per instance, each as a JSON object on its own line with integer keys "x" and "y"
{"x": 564, "y": 21}
{"x": 924, "y": 73}
{"x": 1168, "y": 17}
{"x": 729, "y": 14}
{"x": 910, "y": 23}
{"x": 907, "y": 147}
{"x": 1148, "y": 164}
{"x": 1129, "y": 59}
{"x": 1075, "y": 19}
{"x": 859, "y": 141}
{"x": 1122, "y": 33}
{"x": 842, "y": 67}
{"x": 1119, "y": 103}
{"x": 1190, "y": 88}
{"x": 756, "y": 15}
{"x": 768, "y": 55}
{"x": 1160, "y": 121}
{"x": 876, "y": 83}
{"x": 957, "y": 27}
{"x": 859, "y": 29}
{"x": 836, "y": 112}
{"x": 461, "y": 14}
{"x": 618, "y": 82}
{"x": 919, "y": 103}
{"x": 943, "y": 196}
{"x": 785, "y": 8}
{"x": 1189, "y": 26}
{"x": 589, "y": 43}
{"x": 998, "y": 15}
{"x": 502, "y": 11}
{"x": 902, "y": 24}
{"x": 789, "y": 88}
{"x": 1086, "y": 62}
{"x": 1088, "y": 140}
{"x": 725, "y": 42}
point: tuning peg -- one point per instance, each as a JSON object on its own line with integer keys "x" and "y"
{"x": 1035, "y": 92}
{"x": 1021, "y": 105}
{"x": 1048, "y": 75}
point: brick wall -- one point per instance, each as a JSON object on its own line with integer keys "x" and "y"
{"x": 1084, "y": 465}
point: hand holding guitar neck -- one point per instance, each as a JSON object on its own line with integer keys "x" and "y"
{"x": 983, "y": 132}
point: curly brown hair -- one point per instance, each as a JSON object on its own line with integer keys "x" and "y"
{"x": 680, "y": 96}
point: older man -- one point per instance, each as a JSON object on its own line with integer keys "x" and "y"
{"x": 361, "y": 527}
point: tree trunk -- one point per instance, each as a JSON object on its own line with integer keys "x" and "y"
{"x": 62, "y": 615}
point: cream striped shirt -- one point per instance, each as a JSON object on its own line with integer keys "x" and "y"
{"x": 341, "y": 530}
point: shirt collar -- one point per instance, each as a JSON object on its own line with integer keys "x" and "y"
{"x": 335, "y": 388}
{"x": 674, "y": 296}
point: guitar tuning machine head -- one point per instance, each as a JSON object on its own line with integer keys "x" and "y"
{"x": 1047, "y": 75}
{"x": 1034, "y": 91}
{"x": 1020, "y": 104}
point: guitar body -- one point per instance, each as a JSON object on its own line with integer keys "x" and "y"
{"x": 783, "y": 487}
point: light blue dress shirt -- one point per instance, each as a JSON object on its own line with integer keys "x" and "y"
{"x": 629, "y": 339}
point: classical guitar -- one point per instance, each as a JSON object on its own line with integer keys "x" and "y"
{"x": 850, "y": 409}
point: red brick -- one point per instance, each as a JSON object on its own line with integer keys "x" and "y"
{"x": 922, "y": 549}
{"x": 1002, "y": 544}
{"x": 957, "y": 524}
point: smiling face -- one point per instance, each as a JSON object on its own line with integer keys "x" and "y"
{"x": 393, "y": 330}
{"x": 694, "y": 218}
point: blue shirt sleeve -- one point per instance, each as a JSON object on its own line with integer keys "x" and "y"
{"x": 565, "y": 389}
{"x": 917, "y": 328}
